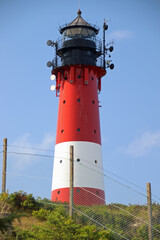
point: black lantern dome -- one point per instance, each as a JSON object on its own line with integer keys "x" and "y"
{"x": 79, "y": 44}
{"x": 79, "y": 28}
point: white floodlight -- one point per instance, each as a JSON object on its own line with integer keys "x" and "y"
{"x": 52, "y": 87}
{"x": 52, "y": 77}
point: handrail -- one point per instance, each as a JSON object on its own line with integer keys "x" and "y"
{"x": 58, "y": 63}
{"x": 94, "y": 43}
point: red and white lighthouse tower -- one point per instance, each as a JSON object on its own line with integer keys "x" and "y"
{"x": 78, "y": 67}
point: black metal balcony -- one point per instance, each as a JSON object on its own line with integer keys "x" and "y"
{"x": 57, "y": 62}
{"x": 93, "y": 44}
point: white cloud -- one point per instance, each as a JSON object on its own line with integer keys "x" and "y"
{"x": 48, "y": 141}
{"x": 143, "y": 145}
{"x": 21, "y": 150}
{"x": 121, "y": 34}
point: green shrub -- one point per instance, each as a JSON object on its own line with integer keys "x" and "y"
{"x": 58, "y": 226}
{"x": 20, "y": 200}
{"x": 4, "y": 196}
{"x": 41, "y": 214}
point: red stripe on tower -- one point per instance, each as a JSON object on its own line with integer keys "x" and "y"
{"x": 78, "y": 72}
{"x": 78, "y": 117}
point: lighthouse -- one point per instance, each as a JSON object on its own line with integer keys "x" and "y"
{"x": 77, "y": 69}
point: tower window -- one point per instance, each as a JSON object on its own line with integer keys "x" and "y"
{"x": 94, "y": 131}
{"x": 78, "y": 160}
{"x": 60, "y": 161}
{"x": 95, "y": 161}
{"x": 64, "y": 101}
{"x": 59, "y": 192}
{"x": 78, "y": 100}
{"x": 89, "y": 53}
{"x": 62, "y": 131}
{"x": 92, "y": 78}
{"x": 93, "y": 101}
{"x": 78, "y": 129}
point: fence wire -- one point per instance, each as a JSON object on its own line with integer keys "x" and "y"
{"x": 31, "y": 171}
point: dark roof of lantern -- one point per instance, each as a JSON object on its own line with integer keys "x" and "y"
{"x": 79, "y": 22}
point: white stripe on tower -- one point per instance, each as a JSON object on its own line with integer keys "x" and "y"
{"x": 87, "y": 165}
{"x": 88, "y": 173}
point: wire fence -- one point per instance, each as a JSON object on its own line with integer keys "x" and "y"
{"x": 30, "y": 170}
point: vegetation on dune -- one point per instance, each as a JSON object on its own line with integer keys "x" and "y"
{"x": 24, "y": 218}
{"x": 52, "y": 221}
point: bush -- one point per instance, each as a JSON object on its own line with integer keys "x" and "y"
{"x": 41, "y": 215}
{"x": 58, "y": 226}
{"x": 20, "y": 200}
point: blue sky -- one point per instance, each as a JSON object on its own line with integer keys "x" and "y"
{"x": 130, "y": 97}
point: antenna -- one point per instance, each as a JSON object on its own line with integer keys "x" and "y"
{"x": 107, "y": 48}
{"x": 105, "y": 27}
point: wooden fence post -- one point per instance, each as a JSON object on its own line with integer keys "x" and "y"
{"x": 149, "y": 204}
{"x": 71, "y": 180}
{"x": 4, "y": 165}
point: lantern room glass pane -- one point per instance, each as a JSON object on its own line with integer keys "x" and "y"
{"x": 79, "y": 32}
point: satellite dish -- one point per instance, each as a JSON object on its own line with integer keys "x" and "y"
{"x": 105, "y": 26}
{"x": 49, "y": 42}
{"x": 111, "y": 66}
{"x": 111, "y": 48}
{"x": 49, "y": 64}
{"x": 52, "y": 77}
{"x": 52, "y": 87}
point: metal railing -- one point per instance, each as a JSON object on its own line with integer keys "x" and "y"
{"x": 57, "y": 62}
{"x": 94, "y": 43}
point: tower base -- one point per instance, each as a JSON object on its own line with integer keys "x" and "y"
{"x": 82, "y": 196}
